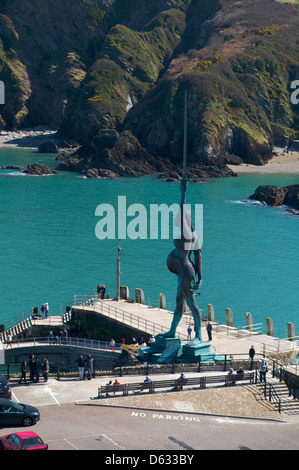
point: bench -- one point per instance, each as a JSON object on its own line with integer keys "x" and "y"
{"x": 139, "y": 387}
{"x": 104, "y": 390}
{"x": 231, "y": 379}
{"x": 177, "y": 384}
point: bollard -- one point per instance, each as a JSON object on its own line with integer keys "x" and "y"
{"x": 291, "y": 332}
{"x": 139, "y": 296}
{"x": 229, "y": 317}
{"x": 211, "y": 313}
{"x": 162, "y": 301}
{"x": 270, "y": 328}
{"x": 249, "y": 322}
{"x": 124, "y": 293}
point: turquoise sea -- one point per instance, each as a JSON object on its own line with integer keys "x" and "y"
{"x": 49, "y": 250}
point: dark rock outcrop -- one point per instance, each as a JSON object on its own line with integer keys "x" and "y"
{"x": 39, "y": 170}
{"x": 273, "y": 196}
{"x": 48, "y": 147}
{"x": 12, "y": 167}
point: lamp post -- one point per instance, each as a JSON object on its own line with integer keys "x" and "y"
{"x": 118, "y": 273}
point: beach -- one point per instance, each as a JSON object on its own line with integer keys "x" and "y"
{"x": 27, "y": 138}
{"x": 282, "y": 162}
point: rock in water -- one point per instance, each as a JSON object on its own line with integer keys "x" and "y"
{"x": 39, "y": 169}
{"x": 273, "y": 196}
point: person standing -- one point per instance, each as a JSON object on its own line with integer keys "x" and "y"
{"x": 251, "y": 355}
{"x": 9, "y": 339}
{"x": 23, "y": 372}
{"x": 103, "y": 291}
{"x": 51, "y": 337}
{"x": 209, "y": 330}
{"x": 36, "y": 366}
{"x": 43, "y": 310}
{"x": 263, "y": 369}
{"x": 47, "y": 310}
{"x": 112, "y": 344}
{"x": 31, "y": 366}
{"x": 89, "y": 366}
{"x": 45, "y": 368}
{"x": 80, "y": 362}
{"x": 189, "y": 331}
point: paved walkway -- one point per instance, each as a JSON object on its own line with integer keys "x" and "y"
{"x": 224, "y": 340}
{"x": 241, "y": 400}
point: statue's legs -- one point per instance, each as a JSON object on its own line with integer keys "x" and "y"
{"x": 184, "y": 291}
{"x": 188, "y": 294}
{"x": 178, "y": 313}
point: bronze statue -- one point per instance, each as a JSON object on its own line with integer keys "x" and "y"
{"x": 189, "y": 273}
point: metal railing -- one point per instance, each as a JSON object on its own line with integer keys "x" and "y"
{"x": 240, "y": 331}
{"x": 121, "y": 315}
{"x": 271, "y": 395}
{"x": 69, "y": 341}
{"x": 282, "y": 373}
{"x": 31, "y": 318}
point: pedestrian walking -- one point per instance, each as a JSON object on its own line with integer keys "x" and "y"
{"x": 189, "y": 331}
{"x": 209, "y": 330}
{"x": 89, "y": 366}
{"x": 80, "y": 362}
{"x": 112, "y": 344}
{"x": 45, "y": 368}
{"x": 23, "y": 372}
{"x": 263, "y": 369}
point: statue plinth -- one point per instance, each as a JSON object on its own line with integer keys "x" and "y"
{"x": 197, "y": 349}
{"x": 165, "y": 350}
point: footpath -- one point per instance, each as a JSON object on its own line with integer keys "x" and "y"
{"x": 241, "y": 400}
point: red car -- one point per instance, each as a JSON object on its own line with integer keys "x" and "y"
{"x": 26, "y": 440}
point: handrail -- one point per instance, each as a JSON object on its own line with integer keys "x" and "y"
{"x": 272, "y": 395}
{"x": 69, "y": 341}
{"x": 121, "y": 315}
{"x": 22, "y": 317}
{"x": 240, "y": 330}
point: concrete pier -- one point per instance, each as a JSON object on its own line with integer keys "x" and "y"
{"x": 152, "y": 321}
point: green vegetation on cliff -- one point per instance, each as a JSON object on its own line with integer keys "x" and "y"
{"x": 88, "y": 66}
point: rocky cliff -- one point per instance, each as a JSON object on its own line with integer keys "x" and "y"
{"x": 110, "y": 75}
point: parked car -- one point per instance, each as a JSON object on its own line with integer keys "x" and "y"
{"x": 5, "y": 390}
{"x": 12, "y": 413}
{"x": 22, "y": 441}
